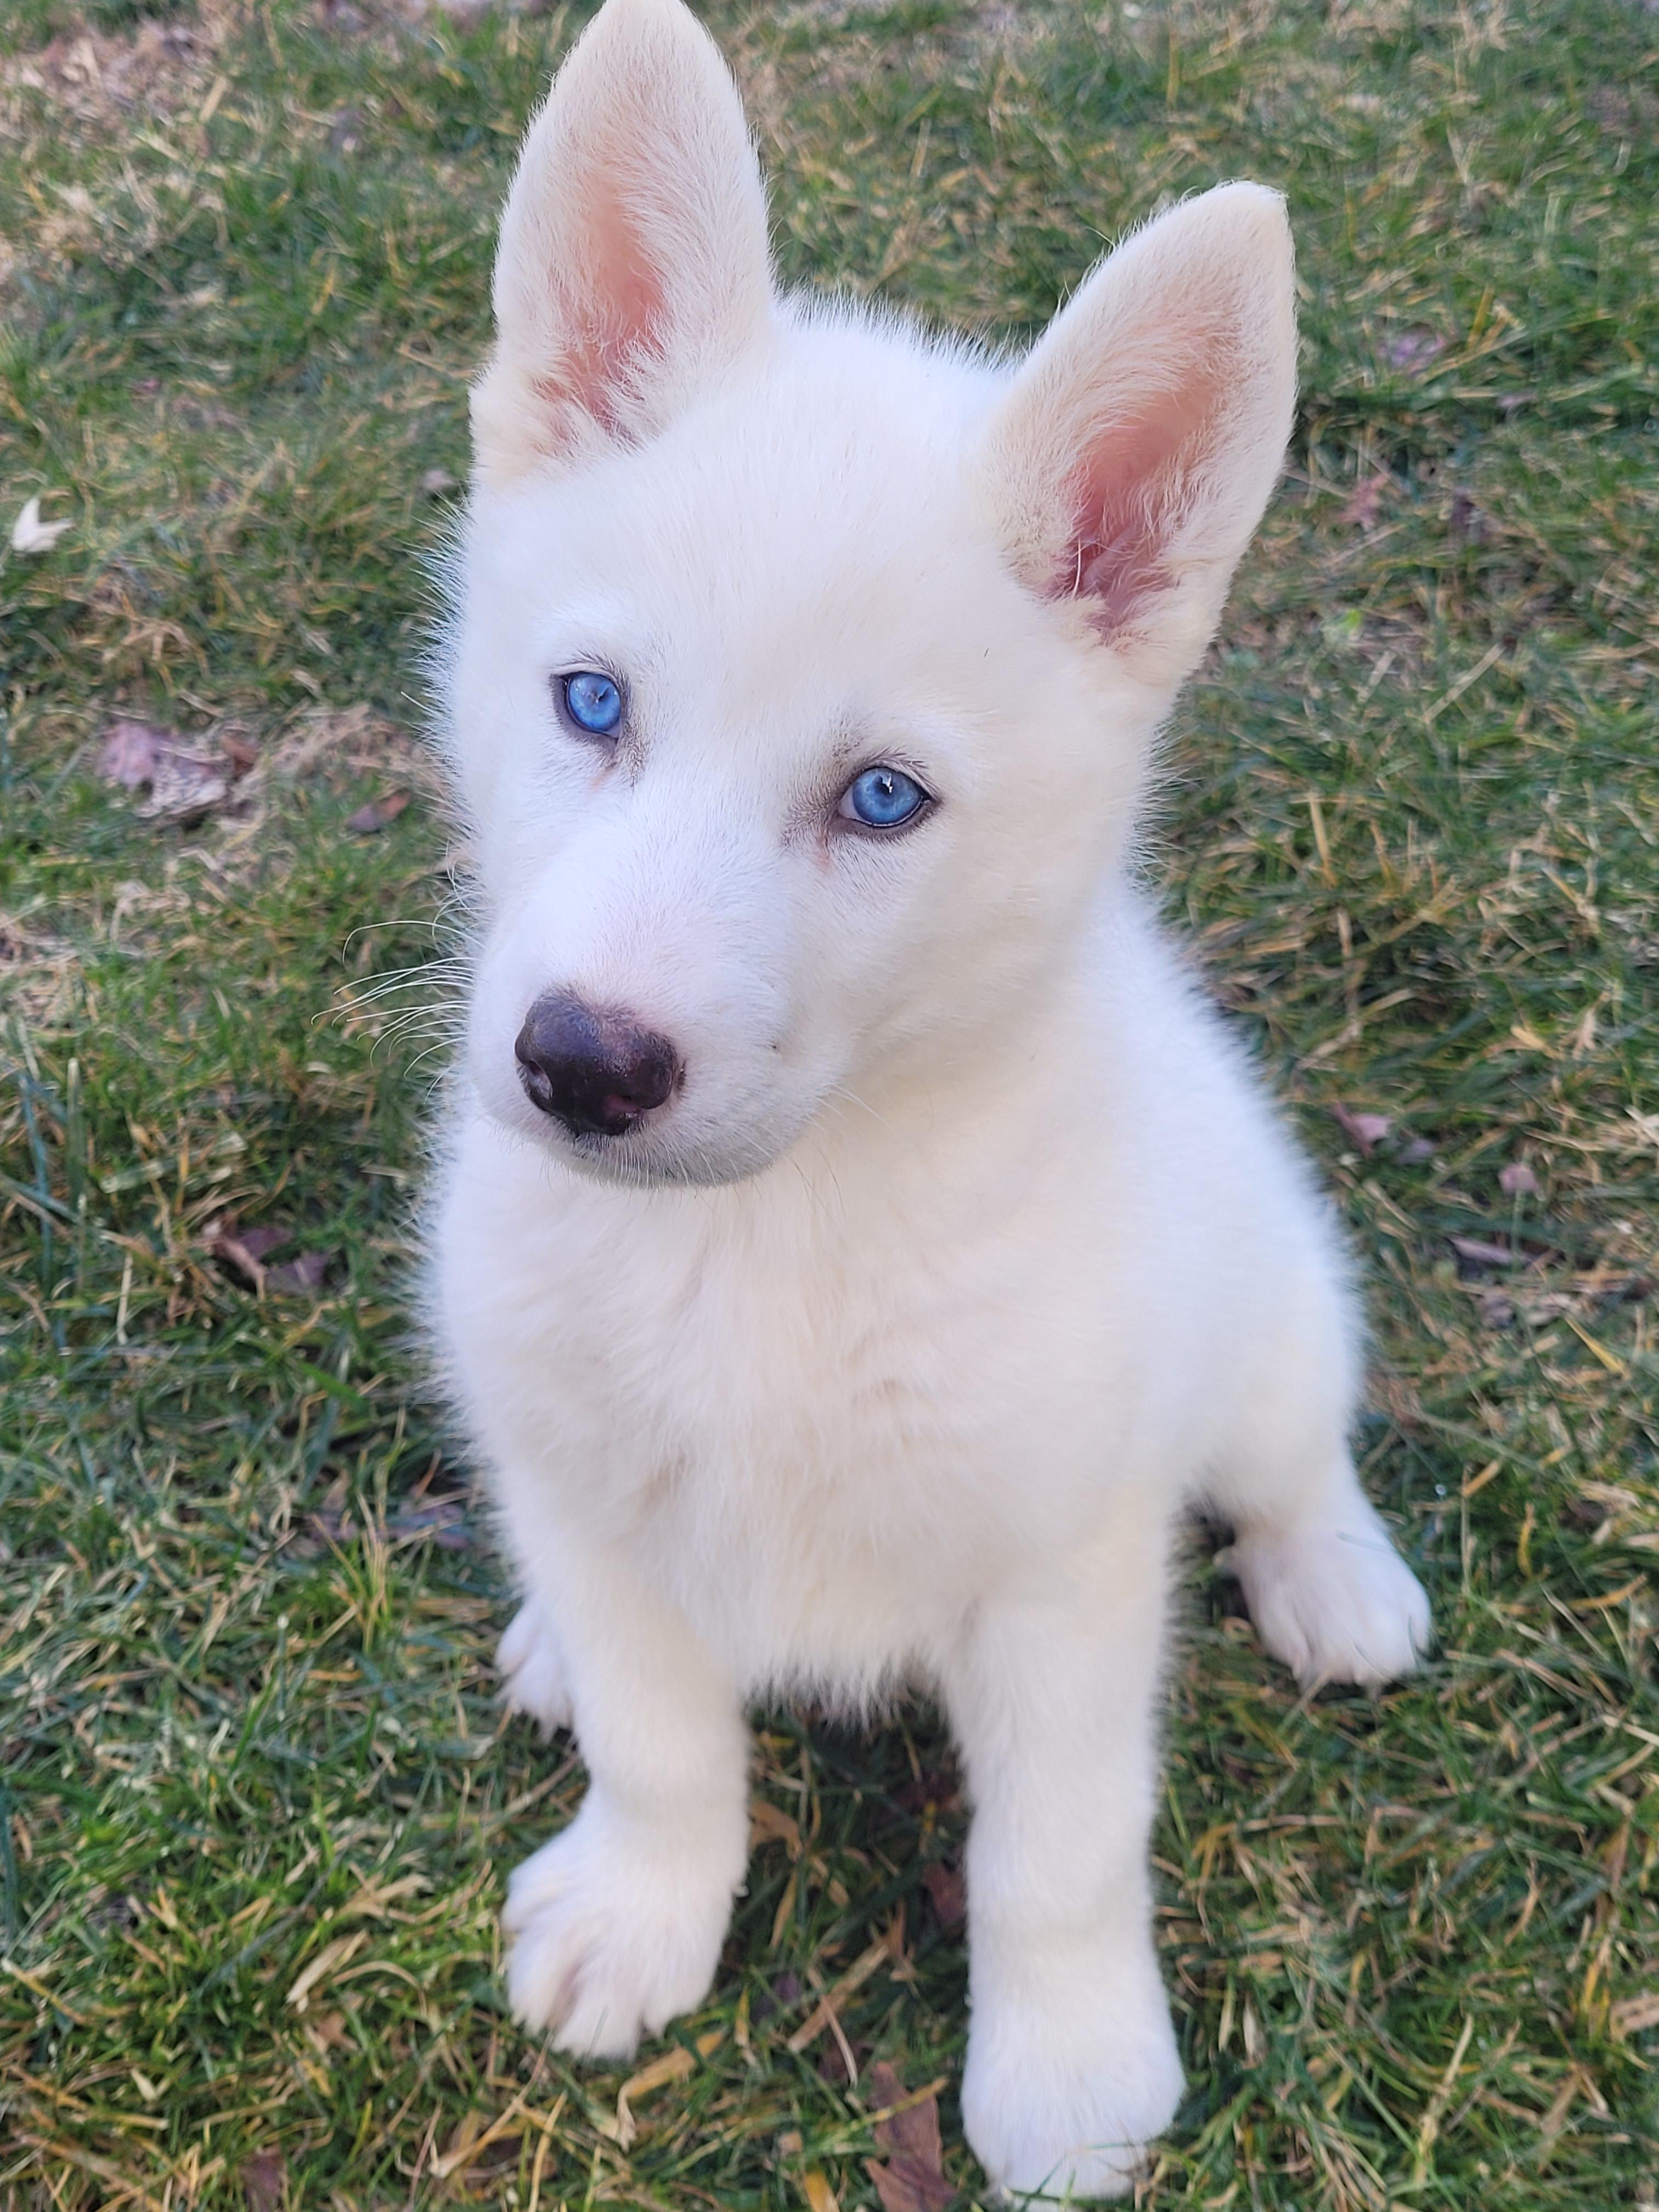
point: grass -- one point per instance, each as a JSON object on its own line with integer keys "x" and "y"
{"x": 256, "y": 1803}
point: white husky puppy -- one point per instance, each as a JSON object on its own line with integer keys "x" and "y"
{"x": 858, "y": 1242}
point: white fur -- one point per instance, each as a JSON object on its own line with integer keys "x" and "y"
{"x": 970, "y": 1255}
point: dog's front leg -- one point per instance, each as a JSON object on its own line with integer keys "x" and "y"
{"x": 1072, "y": 2060}
{"x": 617, "y": 1924}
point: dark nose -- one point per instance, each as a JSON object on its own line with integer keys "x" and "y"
{"x": 592, "y": 1067}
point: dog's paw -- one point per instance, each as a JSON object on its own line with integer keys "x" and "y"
{"x": 1069, "y": 2077}
{"x": 613, "y": 1930}
{"x": 532, "y": 1668}
{"x": 1336, "y": 1604}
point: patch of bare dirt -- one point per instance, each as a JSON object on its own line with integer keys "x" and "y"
{"x": 98, "y": 77}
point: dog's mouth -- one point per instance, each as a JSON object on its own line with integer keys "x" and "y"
{"x": 651, "y": 1155}
{"x": 634, "y": 1155}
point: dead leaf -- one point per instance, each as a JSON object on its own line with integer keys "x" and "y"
{"x": 440, "y": 1520}
{"x": 185, "y": 779}
{"x": 264, "y": 2181}
{"x": 325, "y": 2033}
{"x": 30, "y": 535}
{"x": 1477, "y": 1252}
{"x": 1366, "y": 1130}
{"x": 1517, "y": 1181}
{"x": 785, "y": 1993}
{"x": 1414, "y": 349}
{"x": 839, "y": 2060}
{"x": 188, "y": 785}
{"x": 820, "y": 2197}
{"x": 947, "y": 1888}
{"x": 933, "y": 1791}
{"x": 297, "y": 1276}
{"x": 436, "y": 482}
{"x": 770, "y": 1824}
{"x": 1467, "y": 524}
{"x": 1359, "y": 510}
{"x": 1415, "y": 1150}
{"x": 269, "y": 1237}
{"x": 377, "y": 813}
{"x": 913, "y": 2178}
{"x": 237, "y": 747}
{"x": 245, "y": 1249}
{"x": 132, "y": 753}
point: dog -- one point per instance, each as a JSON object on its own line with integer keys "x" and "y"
{"x": 856, "y": 1243}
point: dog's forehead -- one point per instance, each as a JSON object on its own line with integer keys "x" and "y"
{"x": 783, "y": 533}
{"x": 779, "y": 506}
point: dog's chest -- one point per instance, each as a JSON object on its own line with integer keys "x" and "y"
{"x": 850, "y": 1377}
{"x": 839, "y": 1458}
{"x": 833, "y": 1433}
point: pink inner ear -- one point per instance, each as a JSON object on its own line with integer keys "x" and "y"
{"x": 1132, "y": 490}
{"x": 615, "y": 321}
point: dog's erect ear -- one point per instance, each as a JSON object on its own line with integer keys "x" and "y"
{"x": 1135, "y": 452}
{"x": 632, "y": 267}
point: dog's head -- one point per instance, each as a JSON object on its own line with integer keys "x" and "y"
{"x": 805, "y": 669}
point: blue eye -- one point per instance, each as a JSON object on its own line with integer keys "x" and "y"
{"x": 592, "y": 702}
{"x": 882, "y": 799}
